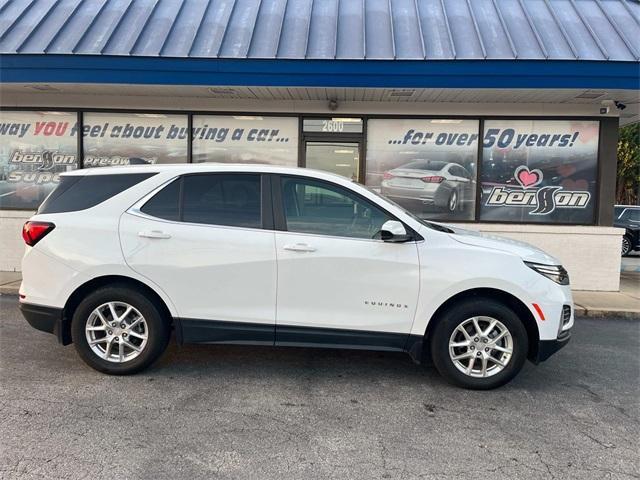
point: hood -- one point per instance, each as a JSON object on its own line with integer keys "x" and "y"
{"x": 523, "y": 250}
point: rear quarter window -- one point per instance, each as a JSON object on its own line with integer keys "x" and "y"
{"x": 75, "y": 193}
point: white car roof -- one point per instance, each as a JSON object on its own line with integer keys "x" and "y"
{"x": 179, "y": 168}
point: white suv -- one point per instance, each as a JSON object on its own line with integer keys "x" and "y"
{"x": 117, "y": 258}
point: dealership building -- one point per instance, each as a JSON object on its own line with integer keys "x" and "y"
{"x": 495, "y": 115}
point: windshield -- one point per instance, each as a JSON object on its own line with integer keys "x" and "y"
{"x": 426, "y": 223}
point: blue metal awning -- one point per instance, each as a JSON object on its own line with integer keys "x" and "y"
{"x": 49, "y": 40}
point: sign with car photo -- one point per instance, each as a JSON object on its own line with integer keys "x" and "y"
{"x": 539, "y": 171}
{"x": 426, "y": 165}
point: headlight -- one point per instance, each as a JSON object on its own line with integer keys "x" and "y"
{"x": 557, "y": 273}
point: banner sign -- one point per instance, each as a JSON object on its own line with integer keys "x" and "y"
{"x": 245, "y": 139}
{"x": 115, "y": 139}
{"x": 426, "y": 165}
{"x": 539, "y": 171}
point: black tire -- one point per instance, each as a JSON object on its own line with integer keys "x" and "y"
{"x": 453, "y": 201}
{"x": 455, "y": 316}
{"x": 626, "y": 245}
{"x": 158, "y": 329}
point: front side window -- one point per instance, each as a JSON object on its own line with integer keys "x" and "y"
{"x": 319, "y": 208}
{"x": 222, "y": 199}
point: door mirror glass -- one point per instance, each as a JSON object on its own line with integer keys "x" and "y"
{"x": 394, "y": 231}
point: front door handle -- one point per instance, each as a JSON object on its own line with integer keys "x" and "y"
{"x": 154, "y": 234}
{"x": 299, "y": 247}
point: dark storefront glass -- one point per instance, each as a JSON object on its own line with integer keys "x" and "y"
{"x": 245, "y": 139}
{"x": 35, "y": 147}
{"x": 114, "y": 139}
{"x": 539, "y": 171}
{"x": 427, "y": 166}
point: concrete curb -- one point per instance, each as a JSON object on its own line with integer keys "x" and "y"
{"x": 581, "y": 311}
{"x": 8, "y": 290}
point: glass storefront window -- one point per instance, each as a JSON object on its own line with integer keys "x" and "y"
{"x": 337, "y": 157}
{"x": 426, "y": 165}
{"x": 539, "y": 171}
{"x": 245, "y": 139}
{"x": 112, "y": 139}
{"x": 35, "y": 147}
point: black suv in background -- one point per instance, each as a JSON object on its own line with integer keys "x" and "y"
{"x": 628, "y": 217}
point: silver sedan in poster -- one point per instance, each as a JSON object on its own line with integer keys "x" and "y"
{"x": 444, "y": 185}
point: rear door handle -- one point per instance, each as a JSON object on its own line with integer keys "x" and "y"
{"x": 299, "y": 247}
{"x": 154, "y": 234}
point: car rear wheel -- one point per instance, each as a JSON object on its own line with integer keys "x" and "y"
{"x": 626, "y": 245}
{"x": 119, "y": 331}
{"x": 452, "y": 204}
{"x": 479, "y": 344}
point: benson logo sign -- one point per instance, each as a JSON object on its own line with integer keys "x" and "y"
{"x": 544, "y": 199}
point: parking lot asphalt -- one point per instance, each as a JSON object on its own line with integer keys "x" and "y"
{"x": 291, "y": 413}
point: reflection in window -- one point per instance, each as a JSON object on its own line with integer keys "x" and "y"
{"x": 427, "y": 166}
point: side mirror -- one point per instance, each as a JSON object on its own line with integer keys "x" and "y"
{"x": 394, "y": 232}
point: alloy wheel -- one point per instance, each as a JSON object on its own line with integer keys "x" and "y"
{"x": 116, "y": 332}
{"x": 626, "y": 246}
{"x": 481, "y": 347}
{"x": 453, "y": 201}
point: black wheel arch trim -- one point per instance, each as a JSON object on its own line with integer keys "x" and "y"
{"x": 47, "y": 319}
{"x": 502, "y": 296}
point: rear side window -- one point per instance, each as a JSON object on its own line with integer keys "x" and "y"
{"x": 76, "y": 193}
{"x": 222, "y": 199}
{"x": 165, "y": 203}
{"x": 214, "y": 199}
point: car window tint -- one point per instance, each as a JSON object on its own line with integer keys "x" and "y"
{"x": 320, "y": 208}
{"x": 79, "y": 192}
{"x": 631, "y": 215}
{"x": 222, "y": 199}
{"x": 164, "y": 204}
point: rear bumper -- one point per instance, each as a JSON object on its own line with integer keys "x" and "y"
{"x": 47, "y": 319}
{"x": 546, "y": 348}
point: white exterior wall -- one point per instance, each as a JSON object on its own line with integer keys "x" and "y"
{"x": 11, "y": 243}
{"x": 591, "y": 255}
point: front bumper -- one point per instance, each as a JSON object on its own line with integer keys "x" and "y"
{"x": 546, "y": 348}
{"x": 47, "y": 319}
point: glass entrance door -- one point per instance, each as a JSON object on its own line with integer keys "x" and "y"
{"x": 338, "y": 157}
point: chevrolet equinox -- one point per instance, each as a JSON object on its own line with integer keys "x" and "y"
{"x": 118, "y": 258}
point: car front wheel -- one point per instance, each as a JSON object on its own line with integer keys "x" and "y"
{"x": 626, "y": 245}
{"x": 479, "y": 344}
{"x": 118, "y": 330}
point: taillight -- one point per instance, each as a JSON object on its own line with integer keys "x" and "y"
{"x": 387, "y": 175}
{"x": 33, "y": 232}
{"x": 433, "y": 179}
